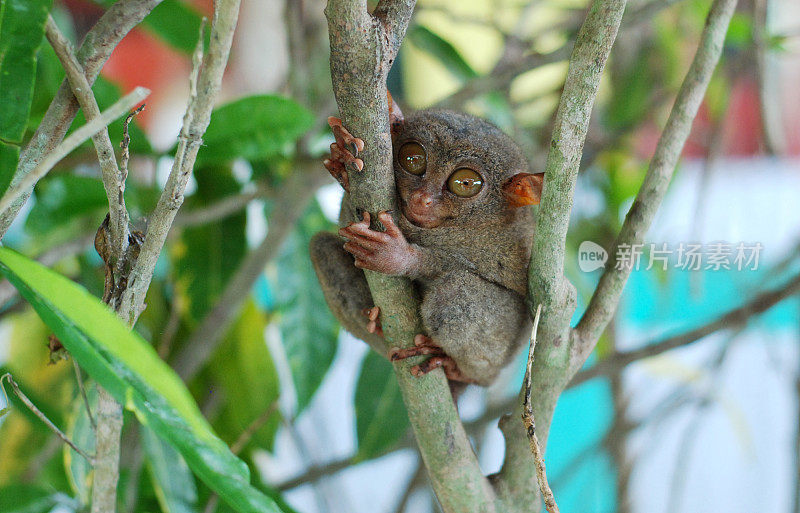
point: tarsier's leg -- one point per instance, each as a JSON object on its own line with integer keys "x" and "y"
{"x": 344, "y": 286}
{"x": 479, "y": 324}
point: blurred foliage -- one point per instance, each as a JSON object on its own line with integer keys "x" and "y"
{"x": 255, "y": 143}
{"x": 308, "y": 328}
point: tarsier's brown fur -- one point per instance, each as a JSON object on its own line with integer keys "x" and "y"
{"x": 468, "y": 257}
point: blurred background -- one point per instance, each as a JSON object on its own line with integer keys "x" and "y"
{"x": 711, "y": 426}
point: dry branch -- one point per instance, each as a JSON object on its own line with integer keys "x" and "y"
{"x": 113, "y": 181}
{"x": 21, "y": 189}
{"x": 530, "y": 425}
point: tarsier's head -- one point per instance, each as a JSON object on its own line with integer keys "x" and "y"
{"x": 452, "y": 168}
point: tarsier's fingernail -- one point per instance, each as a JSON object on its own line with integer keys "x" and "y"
{"x": 353, "y": 148}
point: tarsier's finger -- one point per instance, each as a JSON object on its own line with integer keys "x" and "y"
{"x": 400, "y": 354}
{"x": 363, "y": 264}
{"x": 346, "y": 139}
{"x": 363, "y": 230}
{"x": 391, "y": 229}
{"x": 356, "y": 238}
{"x": 428, "y": 365}
{"x": 337, "y": 170}
{"x": 345, "y": 157}
{"x": 358, "y": 251}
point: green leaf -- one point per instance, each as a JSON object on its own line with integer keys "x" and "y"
{"x": 441, "y": 50}
{"x": 308, "y": 328}
{"x": 25, "y": 498}
{"x": 21, "y": 33}
{"x": 740, "y": 31}
{"x": 171, "y": 478}
{"x": 208, "y": 255}
{"x": 9, "y": 156}
{"x": 63, "y": 198}
{"x": 381, "y": 419}
{"x": 80, "y": 431}
{"x": 244, "y": 368}
{"x": 128, "y": 367}
{"x": 253, "y": 128}
{"x": 176, "y": 23}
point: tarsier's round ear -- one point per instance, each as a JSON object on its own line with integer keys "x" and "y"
{"x": 524, "y": 189}
{"x": 395, "y": 116}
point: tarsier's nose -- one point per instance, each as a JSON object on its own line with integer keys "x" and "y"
{"x": 421, "y": 200}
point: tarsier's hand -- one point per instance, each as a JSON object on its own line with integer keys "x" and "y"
{"x": 343, "y": 153}
{"x": 385, "y": 252}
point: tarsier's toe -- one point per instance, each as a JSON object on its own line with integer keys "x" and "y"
{"x": 374, "y": 324}
{"x": 344, "y": 138}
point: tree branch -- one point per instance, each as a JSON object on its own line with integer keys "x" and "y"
{"x": 22, "y": 188}
{"x": 736, "y": 317}
{"x": 97, "y": 46}
{"x": 637, "y": 222}
{"x": 516, "y": 483}
{"x": 205, "y": 84}
{"x": 363, "y": 48}
{"x": 113, "y": 181}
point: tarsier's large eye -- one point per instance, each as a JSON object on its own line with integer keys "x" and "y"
{"x": 412, "y": 158}
{"x": 465, "y": 183}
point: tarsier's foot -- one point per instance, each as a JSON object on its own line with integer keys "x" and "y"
{"x": 343, "y": 153}
{"x": 424, "y": 345}
{"x": 374, "y": 324}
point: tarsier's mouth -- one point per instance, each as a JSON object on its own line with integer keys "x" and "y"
{"x": 421, "y": 220}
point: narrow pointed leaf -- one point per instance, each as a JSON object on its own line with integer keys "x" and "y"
{"x": 128, "y": 367}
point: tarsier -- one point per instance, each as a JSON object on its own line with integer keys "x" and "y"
{"x": 463, "y": 237}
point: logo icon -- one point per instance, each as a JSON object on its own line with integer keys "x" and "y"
{"x": 591, "y": 256}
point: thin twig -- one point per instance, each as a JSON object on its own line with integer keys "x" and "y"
{"x": 113, "y": 181}
{"x": 417, "y": 480}
{"x": 609, "y": 289}
{"x": 82, "y": 390}
{"x": 205, "y": 82}
{"x": 254, "y": 426}
{"x": 125, "y": 144}
{"x": 736, "y": 317}
{"x": 77, "y": 138}
{"x": 219, "y": 210}
{"x": 36, "y": 411}
{"x": 530, "y": 426}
